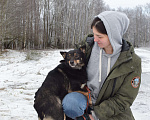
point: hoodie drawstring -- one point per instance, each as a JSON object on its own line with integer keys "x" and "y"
{"x": 108, "y": 65}
{"x": 100, "y": 66}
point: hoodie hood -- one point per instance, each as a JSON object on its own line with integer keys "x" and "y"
{"x": 116, "y": 24}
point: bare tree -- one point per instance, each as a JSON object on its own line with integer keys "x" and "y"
{"x": 36, "y": 24}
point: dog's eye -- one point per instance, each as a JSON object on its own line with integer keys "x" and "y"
{"x": 68, "y": 56}
{"x": 76, "y": 56}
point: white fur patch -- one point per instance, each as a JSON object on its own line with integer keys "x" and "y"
{"x": 59, "y": 102}
{"x": 64, "y": 116}
{"x": 83, "y": 85}
{"x": 48, "y": 118}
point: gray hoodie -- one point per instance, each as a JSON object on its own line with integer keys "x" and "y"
{"x": 100, "y": 63}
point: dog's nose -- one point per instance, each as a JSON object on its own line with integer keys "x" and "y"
{"x": 71, "y": 62}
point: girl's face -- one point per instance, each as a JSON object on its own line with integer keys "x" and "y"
{"x": 102, "y": 40}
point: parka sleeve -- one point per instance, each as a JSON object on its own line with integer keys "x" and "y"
{"x": 112, "y": 108}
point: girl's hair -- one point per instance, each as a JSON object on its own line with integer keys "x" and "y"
{"x": 98, "y": 24}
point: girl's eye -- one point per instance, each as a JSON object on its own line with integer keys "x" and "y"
{"x": 99, "y": 37}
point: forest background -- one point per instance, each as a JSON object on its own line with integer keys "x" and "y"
{"x": 45, "y": 24}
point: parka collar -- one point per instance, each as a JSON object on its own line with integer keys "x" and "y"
{"x": 125, "y": 55}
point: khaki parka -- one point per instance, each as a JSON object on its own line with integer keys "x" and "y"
{"x": 120, "y": 87}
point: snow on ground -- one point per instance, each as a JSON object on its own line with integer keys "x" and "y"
{"x": 22, "y": 73}
{"x": 141, "y": 105}
{"x": 20, "y": 77}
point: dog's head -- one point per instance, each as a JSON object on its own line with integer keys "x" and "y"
{"x": 74, "y": 58}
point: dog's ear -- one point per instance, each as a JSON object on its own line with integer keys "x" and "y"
{"x": 62, "y": 61}
{"x": 63, "y": 54}
{"x": 83, "y": 48}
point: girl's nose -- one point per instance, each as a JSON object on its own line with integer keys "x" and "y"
{"x": 95, "y": 39}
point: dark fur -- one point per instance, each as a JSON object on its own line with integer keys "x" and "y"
{"x": 64, "y": 78}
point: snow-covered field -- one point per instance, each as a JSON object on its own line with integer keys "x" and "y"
{"x": 22, "y": 73}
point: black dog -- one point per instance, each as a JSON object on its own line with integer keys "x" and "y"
{"x": 68, "y": 76}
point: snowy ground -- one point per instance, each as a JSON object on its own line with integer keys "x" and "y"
{"x": 21, "y": 74}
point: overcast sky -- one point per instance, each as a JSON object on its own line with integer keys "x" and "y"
{"x": 125, "y": 3}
